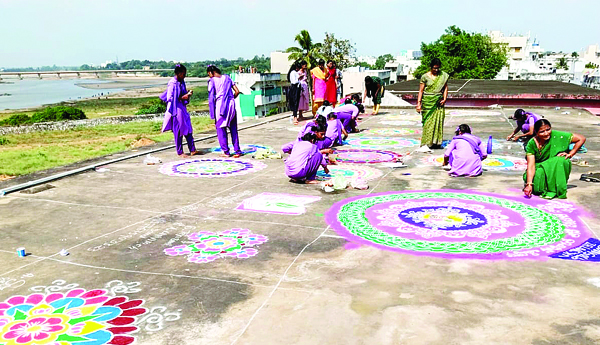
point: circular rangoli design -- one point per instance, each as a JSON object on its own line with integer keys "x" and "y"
{"x": 382, "y": 143}
{"x": 458, "y": 224}
{"x": 386, "y": 132}
{"x": 401, "y": 123}
{"x": 211, "y": 167}
{"x": 246, "y": 148}
{"x": 352, "y": 172}
{"x": 492, "y": 162}
{"x": 365, "y": 156}
{"x": 207, "y": 246}
{"x": 76, "y": 317}
{"x": 474, "y": 113}
{"x": 414, "y": 117}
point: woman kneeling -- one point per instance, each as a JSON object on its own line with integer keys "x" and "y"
{"x": 548, "y": 161}
{"x": 302, "y": 165}
{"x": 465, "y": 153}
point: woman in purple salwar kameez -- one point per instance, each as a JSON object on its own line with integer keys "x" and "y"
{"x": 221, "y": 102}
{"x": 302, "y": 165}
{"x": 525, "y": 121}
{"x": 347, "y": 114}
{"x": 317, "y": 126}
{"x": 177, "y": 119}
{"x": 465, "y": 153}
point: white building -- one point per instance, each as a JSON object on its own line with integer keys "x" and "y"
{"x": 354, "y": 78}
{"x": 261, "y": 94}
{"x": 280, "y": 62}
{"x": 591, "y": 54}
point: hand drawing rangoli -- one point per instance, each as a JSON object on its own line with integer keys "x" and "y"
{"x": 211, "y": 167}
{"x": 74, "y": 317}
{"x": 460, "y": 224}
{"x": 492, "y": 162}
{"x": 246, "y": 148}
{"x": 382, "y": 143}
{"x": 365, "y": 156}
{"x": 351, "y": 172}
{"x": 288, "y": 204}
{"x": 207, "y": 246}
{"x": 401, "y": 123}
{"x": 385, "y": 132}
{"x": 475, "y": 113}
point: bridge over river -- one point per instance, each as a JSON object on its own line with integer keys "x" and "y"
{"x": 86, "y": 73}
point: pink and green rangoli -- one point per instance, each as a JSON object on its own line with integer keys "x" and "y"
{"x": 461, "y": 224}
{"x": 78, "y": 317}
{"x": 207, "y": 246}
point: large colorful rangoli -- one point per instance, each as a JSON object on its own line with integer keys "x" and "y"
{"x": 475, "y": 113}
{"x": 77, "y": 317}
{"x": 365, "y": 156}
{"x": 386, "y": 132}
{"x": 459, "y": 224}
{"x": 207, "y": 246}
{"x": 351, "y": 172}
{"x": 211, "y": 167}
{"x": 246, "y": 148}
{"x": 382, "y": 143}
{"x": 492, "y": 162}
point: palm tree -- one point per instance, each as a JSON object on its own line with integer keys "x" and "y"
{"x": 307, "y": 50}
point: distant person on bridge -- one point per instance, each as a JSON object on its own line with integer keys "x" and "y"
{"x": 221, "y": 102}
{"x": 177, "y": 119}
{"x": 433, "y": 93}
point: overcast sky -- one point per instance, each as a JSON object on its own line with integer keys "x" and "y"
{"x": 47, "y": 32}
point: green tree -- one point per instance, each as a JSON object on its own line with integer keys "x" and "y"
{"x": 307, "y": 50}
{"x": 339, "y": 50}
{"x": 362, "y": 64}
{"x": 591, "y": 65}
{"x": 464, "y": 55}
{"x": 562, "y": 63}
{"x": 382, "y": 60}
{"x": 574, "y": 55}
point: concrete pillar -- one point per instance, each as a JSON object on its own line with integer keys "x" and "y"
{"x": 39, "y": 75}
{"x": 20, "y": 77}
{"x": 58, "y": 74}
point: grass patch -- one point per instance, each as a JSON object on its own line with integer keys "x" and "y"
{"x": 95, "y": 108}
{"x": 26, "y": 153}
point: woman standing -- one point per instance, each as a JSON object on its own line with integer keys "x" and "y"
{"x": 374, "y": 88}
{"x": 319, "y": 74}
{"x": 433, "y": 93}
{"x": 293, "y": 96}
{"x": 549, "y": 161}
{"x": 304, "y": 103}
{"x": 177, "y": 119}
{"x": 331, "y": 83}
{"x": 222, "y": 94}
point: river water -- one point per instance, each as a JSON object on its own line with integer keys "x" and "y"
{"x": 28, "y": 93}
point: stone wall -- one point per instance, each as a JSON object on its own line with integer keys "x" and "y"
{"x": 64, "y": 125}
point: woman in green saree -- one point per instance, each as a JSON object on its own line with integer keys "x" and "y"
{"x": 548, "y": 161}
{"x": 433, "y": 93}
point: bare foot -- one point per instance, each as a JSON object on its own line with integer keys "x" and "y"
{"x": 225, "y": 155}
{"x": 183, "y": 155}
{"x": 312, "y": 182}
{"x": 237, "y": 155}
{"x": 194, "y": 153}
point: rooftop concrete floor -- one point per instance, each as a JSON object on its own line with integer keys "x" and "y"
{"x": 305, "y": 285}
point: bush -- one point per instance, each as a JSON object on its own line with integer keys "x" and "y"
{"x": 60, "y": 113}
{"x": 4, "y": 141}
{"x": 273, "y": 111}
{"x": 155, "y": 106}
{"x": 16, "y": 120}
